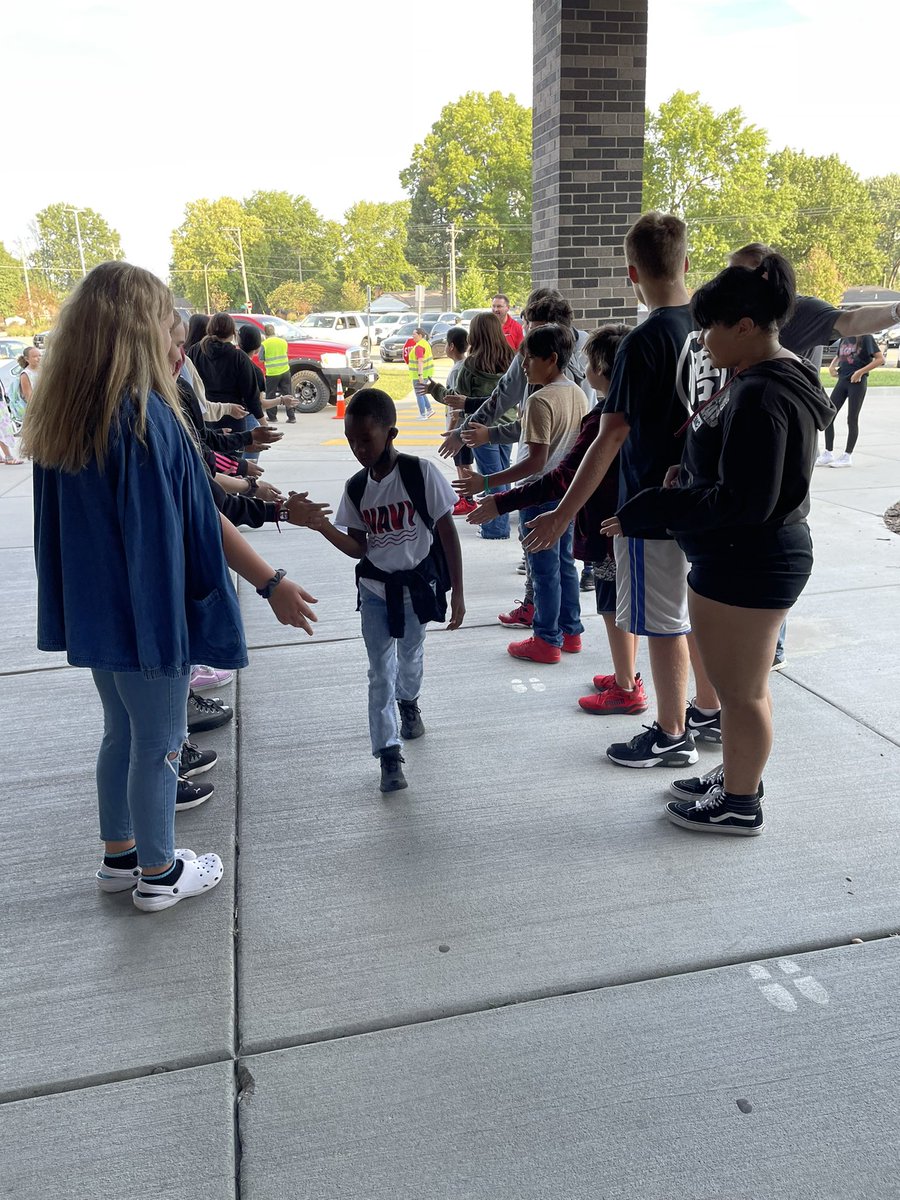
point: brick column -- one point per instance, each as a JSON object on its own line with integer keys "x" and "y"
{"x": 590, "y": 59}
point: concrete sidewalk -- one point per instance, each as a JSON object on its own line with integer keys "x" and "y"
{"x": 513, "y": 980}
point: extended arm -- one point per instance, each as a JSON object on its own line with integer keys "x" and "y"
{"x": 352, "y": 543}
{"x": 473, "y": 482}
{"x": 855, "y": 321}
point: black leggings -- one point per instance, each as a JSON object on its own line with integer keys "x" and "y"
{"x": 854, "y": 394}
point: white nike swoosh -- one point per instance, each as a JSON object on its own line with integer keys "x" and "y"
{"x": 663, "y": 749}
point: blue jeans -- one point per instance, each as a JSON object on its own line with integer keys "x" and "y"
{"x": 395, "y": 666}
{"x": 422, "y": 399}
{"x": 557, "y": 595}
{"x": 144, "y": 723}
{"x": 779, "y": 647}
{"x": 492, "y": 459}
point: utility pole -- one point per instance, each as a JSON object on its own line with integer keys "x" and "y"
{"x": 299, "y": 269}
{"x": 77, "y": 213}
{"x": 27, "y": 283}
{"x": 206, "y": 283}
{"x": 452, "y": 232}
{"x": 240, "y": 241}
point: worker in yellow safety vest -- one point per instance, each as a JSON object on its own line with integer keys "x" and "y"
{"x": 421, "y": 368}
{"x": 273, "y": 354}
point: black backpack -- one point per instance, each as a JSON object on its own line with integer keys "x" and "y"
{"x": 434, "y": 566}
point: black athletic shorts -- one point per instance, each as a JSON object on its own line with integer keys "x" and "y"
{"x": 758, "y": 568}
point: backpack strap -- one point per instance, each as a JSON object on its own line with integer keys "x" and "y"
{"x": 413, "y": 478}
{"x": 356, "y": 487}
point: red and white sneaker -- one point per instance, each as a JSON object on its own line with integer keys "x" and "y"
{"x": 572, "y": 643}
{"x": 522, "y": 614}
{"x": 535, "y": 649}
{"x": 614, "y": 700}
{"x": 463, "y": 506}
{"x": 205, "y": 678}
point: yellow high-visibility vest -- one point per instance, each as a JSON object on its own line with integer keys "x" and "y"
{"x": 276, "y": 359}
{"x": 427, "y": 361}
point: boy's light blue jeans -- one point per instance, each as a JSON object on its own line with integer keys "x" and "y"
{"x": 395, "y": 666}
{"x": 557, "y": 594}
{"x": 144, "y": 722}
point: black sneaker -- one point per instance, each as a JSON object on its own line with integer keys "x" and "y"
{"x": 190, "y": 795}
{"x": 392, "y": 777}
{"x": 701, "y": 785}
{"x": 654, "y": 748}
{"x": 704, "y": 729}
{"x": 411, "y": 725}
{"x": 713, "y": 814}
{"x": 586, "y": 583}
{"x": 195, "y": 761}
{"x": 205, "y": 713}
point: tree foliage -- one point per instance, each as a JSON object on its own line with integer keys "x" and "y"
{"x": 709, "y": 169}
{"x": 473, "y": 170}
{"x": 206, "y": 252}
{"x": 884, "y": 194}
{"x": 821, "y": 203}
{"x": 818, "y": 275}
{"x": 472, "y": 290}
{"x": 296, "y": 299}
{"x": 12, "y": 285}
{"x": 55, "y": 238}
{"x": 374, "y": 242}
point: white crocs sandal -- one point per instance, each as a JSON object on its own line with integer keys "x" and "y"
{"x": 199, "y": 875}
{"x": 123, "y": 879}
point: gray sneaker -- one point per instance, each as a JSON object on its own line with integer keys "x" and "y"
{"x": 411, "y": 725}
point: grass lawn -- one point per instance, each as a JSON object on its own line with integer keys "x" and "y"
{"x": 394, "y": 379}
{"x": 880, "y": 377}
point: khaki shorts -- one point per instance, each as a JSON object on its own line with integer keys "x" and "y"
{"x": 651, "y": 587}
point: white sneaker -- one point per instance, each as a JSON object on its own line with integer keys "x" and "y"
{"x": 198, "y": 875}
{"x": 842, "y": 460}
{"x": 825, "y": 459}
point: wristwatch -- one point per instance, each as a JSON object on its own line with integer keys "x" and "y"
{"x": 273, "y": 583}
{"x": 254, "y": 484}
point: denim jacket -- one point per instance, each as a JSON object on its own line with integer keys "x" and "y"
{"x": 131, "y": 572}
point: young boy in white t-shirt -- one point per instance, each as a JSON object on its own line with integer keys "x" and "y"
{"x": 402, "y": 572}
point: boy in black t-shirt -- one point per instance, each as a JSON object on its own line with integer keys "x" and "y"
{"x": 651, "y": 394}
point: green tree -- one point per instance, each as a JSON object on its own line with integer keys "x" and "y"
{"x": 353, "y": 296}
{"x": 56, "y": 253}
{"x": 817, "y": 275}
{"x": 884, "y": 193}
{"x": 822, "y": 203}
{"x": 472, "y": 289}
{"x": 473, "y": 170}
{"x": 374, "y": 239}
{"x": 205, "y": 252}
{"x": 296, "y": 299}
{"x": 12, "y": 285}
{"x": 709, "y": 169}
{"x": 296, "y": 243}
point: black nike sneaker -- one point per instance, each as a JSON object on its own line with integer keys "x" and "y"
{"x": 654, "y": 748}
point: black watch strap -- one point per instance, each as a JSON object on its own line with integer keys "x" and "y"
{"x": 273, "y": 583}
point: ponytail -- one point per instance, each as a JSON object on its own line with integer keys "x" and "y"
{"x": 220, "y": 328}
{"x": 766, "y": 295}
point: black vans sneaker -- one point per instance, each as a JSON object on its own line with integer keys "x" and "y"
{"x": 191, "y": 795}
{"x": 205, "y": 713}
{"x": 702, "y": 785}
{"x": 715, "y": 813}
{"x": 392, "y": 777}
{"x": 704, "y": 729}
{"x": 411, "y": 725}
{"x": 195, "y": 761}
{"x": 654, "y": 748}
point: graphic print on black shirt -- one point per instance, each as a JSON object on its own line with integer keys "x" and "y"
{"x": 855, "y": 352}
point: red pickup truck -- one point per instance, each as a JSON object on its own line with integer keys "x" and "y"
{"x": 316, "y": 366}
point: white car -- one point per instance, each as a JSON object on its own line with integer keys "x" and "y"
{"x": 384, "y": 324}
{"x": 346, "y": 328}
{"x": 465, "y": 317}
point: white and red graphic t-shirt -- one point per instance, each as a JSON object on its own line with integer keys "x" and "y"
{"x": 397, "y": 537}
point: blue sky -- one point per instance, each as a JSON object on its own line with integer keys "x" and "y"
{"x": 134, "y": 109}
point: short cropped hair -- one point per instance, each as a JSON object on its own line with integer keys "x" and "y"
{"x": 551, "y": 339}
{"x": 270, "y": 330}
{"x": 548, "y": 305}
{"x": 656, "y": 245}
{"x": 458, "y": 339}
{"x": 600, "y": 348}
{"x": 374, "y": 404}
{"x": 500, "y": 296}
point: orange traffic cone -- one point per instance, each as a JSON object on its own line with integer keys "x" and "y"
{"x": 339, "y": 407}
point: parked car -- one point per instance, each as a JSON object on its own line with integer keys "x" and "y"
{"x": 40, "y": 338}
{"x": 448, "y": 319}
{"x": 316, "y": 363}
{"x": 13, "y": 347}
{"x": 350, "y": 328}
{"x": 392, "y": 347}
{"x": 891, "y": 337}
{"x": 465, "y": 317}
{"x": 388, "y": 323}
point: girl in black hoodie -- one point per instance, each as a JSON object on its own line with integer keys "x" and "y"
{"x": 737, "y": 506}
{"x": 227, "y": 373}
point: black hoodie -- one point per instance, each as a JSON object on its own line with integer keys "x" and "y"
{"x": 227, "y": 373}
{"x": 747, "y": 462}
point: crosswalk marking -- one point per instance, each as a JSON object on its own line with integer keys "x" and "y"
{"x": 413, "y": 432}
